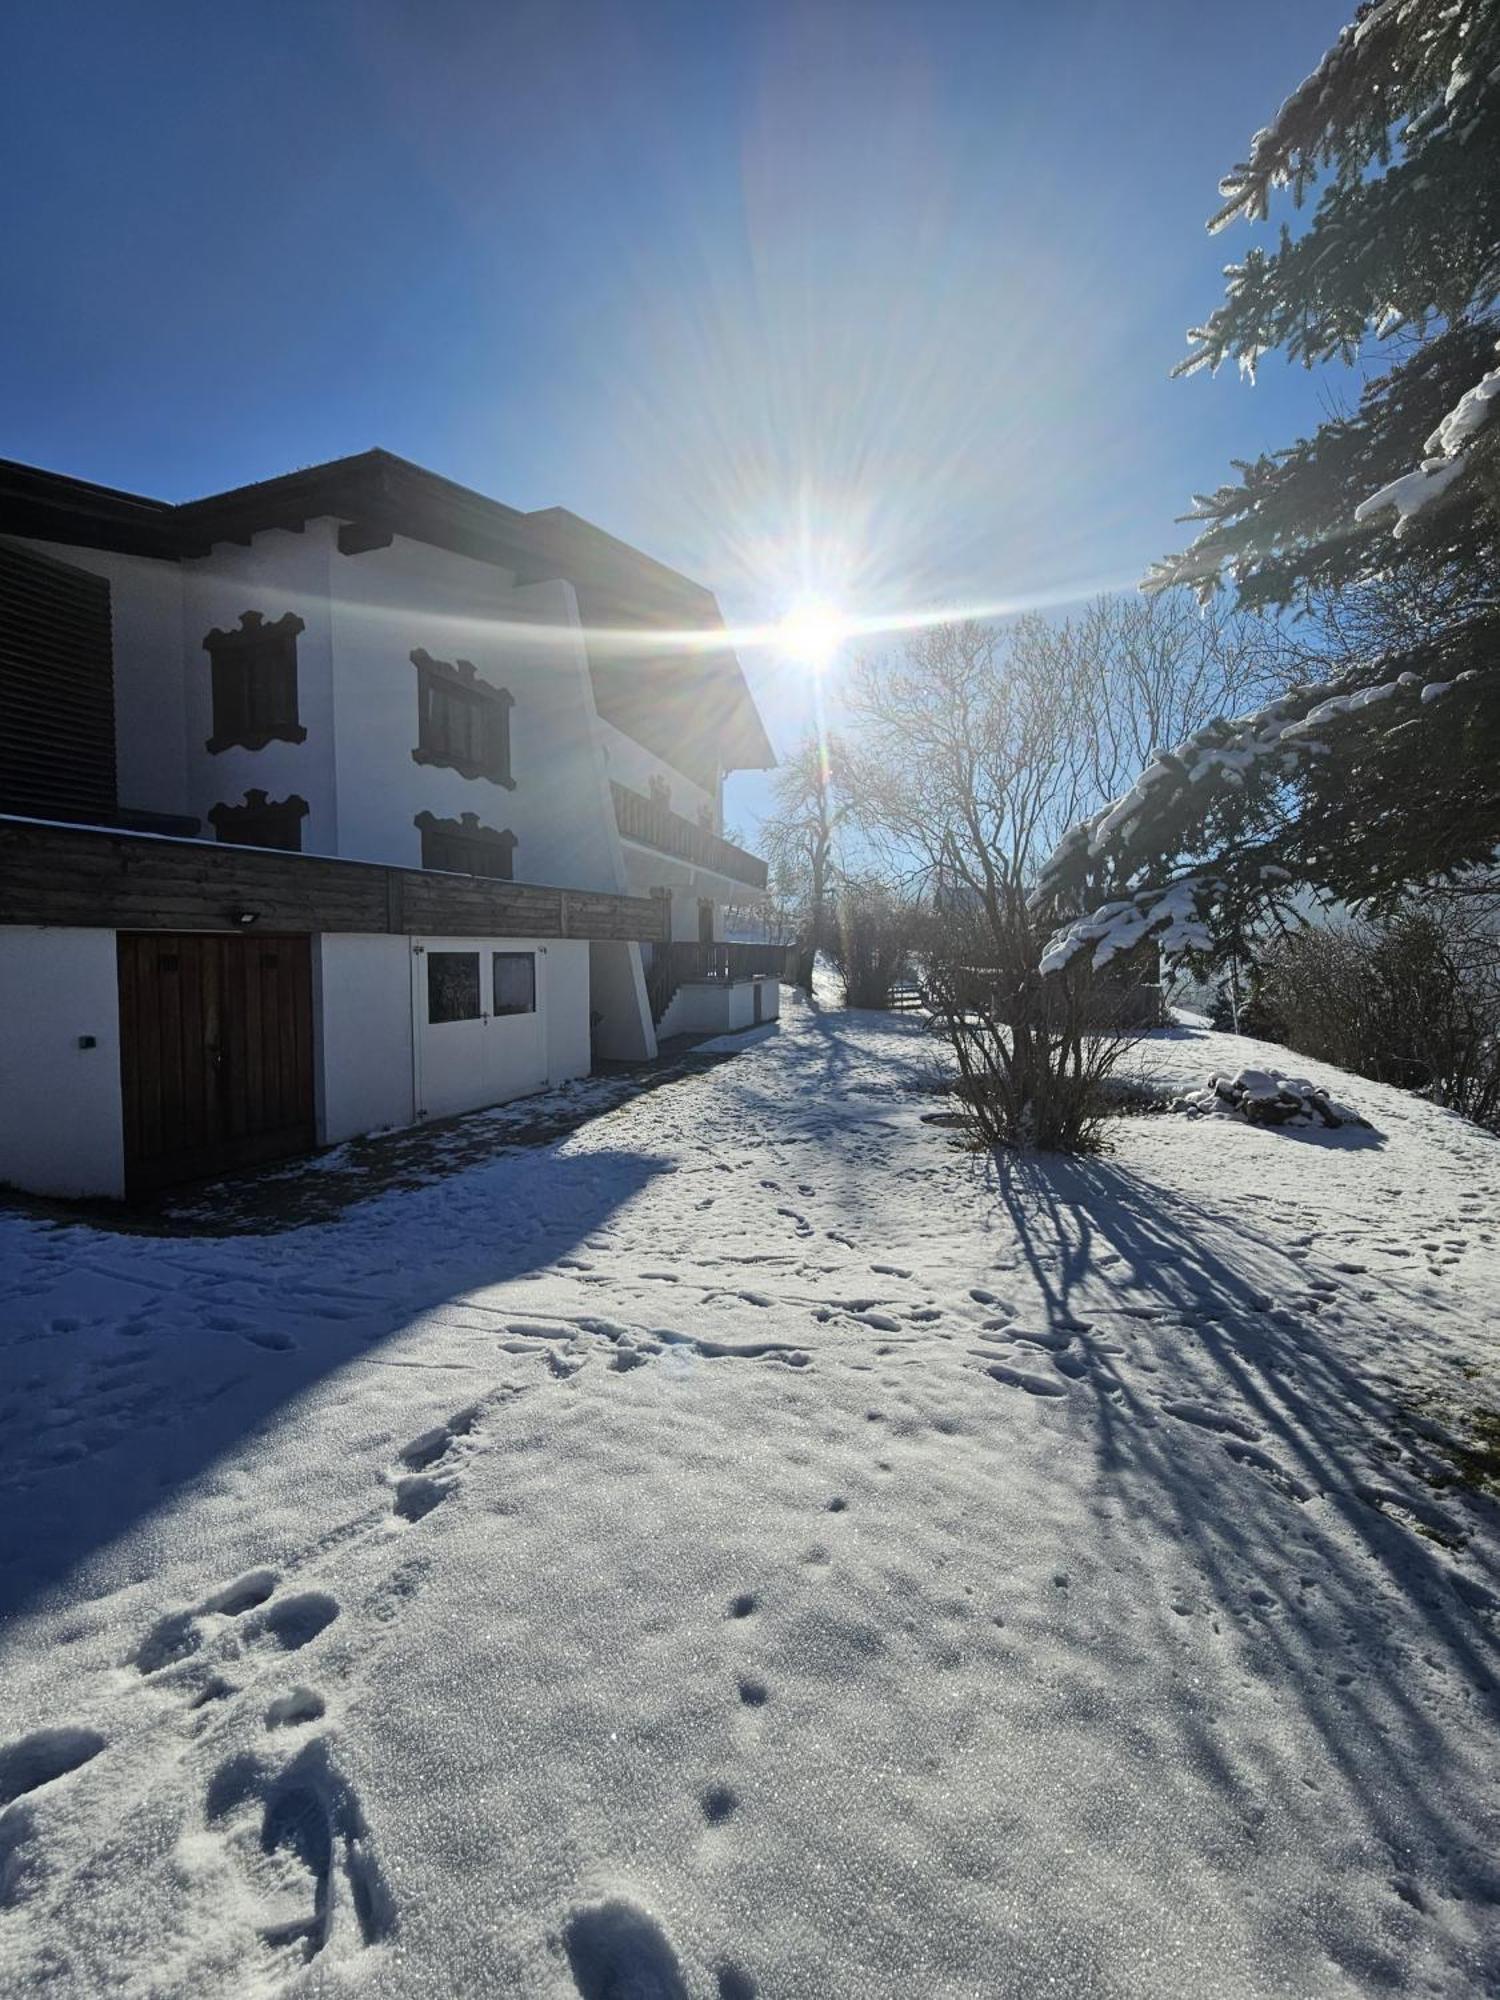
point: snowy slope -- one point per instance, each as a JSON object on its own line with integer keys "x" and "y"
{"x": 755, "y": 1547}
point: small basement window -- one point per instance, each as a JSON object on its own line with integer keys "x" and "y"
{"x": 261, "y": 822}
{"x": 255, "y": 683}
{"x": 464, "y": 847}
{"x": 462, "y": 721}
{"x": 515, "y": 982}
{"x": 452, "y": 986}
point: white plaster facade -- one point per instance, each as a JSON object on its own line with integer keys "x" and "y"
{"x": 60, "y": 1126}
{"x": 379, "y": 1061}
{"x": 711, "y": 1007}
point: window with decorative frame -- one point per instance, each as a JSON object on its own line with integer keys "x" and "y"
{"x": 463, "y": 847}
{"x": 463, "y": 722}
{"x": 261, "y": 822}
{"x": 255, "y": 683}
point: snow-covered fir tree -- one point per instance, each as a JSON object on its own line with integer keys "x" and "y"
{"x": 1389, "y": 774}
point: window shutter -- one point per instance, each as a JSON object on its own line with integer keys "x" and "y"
{"x": 57, "y": 689}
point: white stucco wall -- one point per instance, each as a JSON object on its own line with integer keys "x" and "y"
{"x": 708, "y": 1007}
{"x": 61, "y": 1128}
{"x": 387, "y": 603}
{"x": 279, "y": 572}
{"x": 569, "y": 1053}
{"x": 631, "y": 763}
{"x": 617, "y": 993}
{"x": 362, "y": 1034}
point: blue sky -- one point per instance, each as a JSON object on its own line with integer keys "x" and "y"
{"x": 872, "y": 300}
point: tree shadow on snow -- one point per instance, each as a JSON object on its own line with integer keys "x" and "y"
{"x": 130, "y": 1366}
{"x": 1240, "y": 1433}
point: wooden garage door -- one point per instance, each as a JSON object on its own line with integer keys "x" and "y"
{"x": 216, "y": 1061}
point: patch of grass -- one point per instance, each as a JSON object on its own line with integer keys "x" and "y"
{"x": 1465, "y": 1439}
{"x": 1135, "y": 1097}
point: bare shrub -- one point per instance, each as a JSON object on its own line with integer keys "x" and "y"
{"x": 1413, "y": 1001}
{"x": 1035, "y": 1056}
{"x": 969, "y": 754}
{"x": 873, "y": 941}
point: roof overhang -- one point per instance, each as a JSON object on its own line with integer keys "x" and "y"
{"x": 375, "y": 496}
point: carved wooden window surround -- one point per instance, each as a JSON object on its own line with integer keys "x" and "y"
{"x": 255, "y": 683}
{"x": 464, "y": 847}
{"x": 462, "y": 721}
{"x": 261, "y": 822}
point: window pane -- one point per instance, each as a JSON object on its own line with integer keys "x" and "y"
{"x": 515, "y": 982}
{"x": 452, "y": 986}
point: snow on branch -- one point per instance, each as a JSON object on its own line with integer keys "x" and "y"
{"x": 1444, "y": 460}
{"x": 1273, "y": 743}
{"x": 1397, "y": 58}
{"x": 1171, "y": 915}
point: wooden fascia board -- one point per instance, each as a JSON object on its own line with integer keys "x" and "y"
{"x": 91, "y": 878}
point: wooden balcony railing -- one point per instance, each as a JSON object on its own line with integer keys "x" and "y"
{"x": 673, "y": 964}
{"x": 652, "y": 825}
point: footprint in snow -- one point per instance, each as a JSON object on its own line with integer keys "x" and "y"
{"x": 1207, "y": 1419}
{"x": 617, "y": 1951}
{"x": 1019, "y": 1378}
{"x": 270, "y": 1339}
{"x": 322, "y": 1877}
{"x": 36, "y": 1760}
{"x": 719, "y": 1802}
{"x": 179, "y": 1634}
{"x": 296, "y": 1706}
{"x": 294, "y": 1622}
{"x": 418, "y": 1489}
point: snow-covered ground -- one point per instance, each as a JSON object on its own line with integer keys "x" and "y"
{"x": 753, "y": 1546}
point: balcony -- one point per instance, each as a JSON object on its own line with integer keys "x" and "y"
{"x": 673, "y": 965}
{"x": 651, "y": 825}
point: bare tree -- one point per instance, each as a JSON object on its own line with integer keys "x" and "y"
{"x": 799, "y": 838}
{"x": 970, "y": 754}
{"x": 1147, "y": 671}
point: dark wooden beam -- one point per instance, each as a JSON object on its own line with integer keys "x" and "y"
{"x": 358, "y": 538}
{"x": 96, "y": 879}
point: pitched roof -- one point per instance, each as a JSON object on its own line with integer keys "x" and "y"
{"x": 375, "y": 495}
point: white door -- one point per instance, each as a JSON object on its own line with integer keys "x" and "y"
{"x": 516, "y": 1027}
{"x": 478, "y": 1011}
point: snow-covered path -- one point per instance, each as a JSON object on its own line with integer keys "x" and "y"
{"x": 754, "y": 1547}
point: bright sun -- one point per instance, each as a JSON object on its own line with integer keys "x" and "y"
{"x": 812, "y": 632}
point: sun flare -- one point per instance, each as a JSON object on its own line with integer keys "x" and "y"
{"x": 812, "y": 632}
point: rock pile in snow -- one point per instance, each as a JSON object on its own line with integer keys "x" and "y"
{"x": 1266, "y": 1097}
